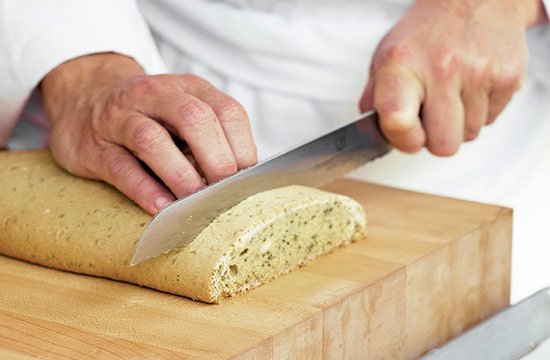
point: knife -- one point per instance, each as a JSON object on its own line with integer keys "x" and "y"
{"x": 313, "y": 163}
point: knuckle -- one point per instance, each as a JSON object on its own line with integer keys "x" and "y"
{"x": 479, "y": 74}
{"x": 445, "y": 68}
{"x": 193, "y": 81}
{"x": 147, "y": 136}
{"x": 389, "y": 77}
{"x": 396, "y": 52}
{"x": 508, "y": 80}
{"x": 191, "y": 78}
{"x": 140, "y": 188}
{"x": 224, "y": 166}
{"x": 446, "y": 62}
{"x": 149, "y": 84}
{"x": 230, "y": 110}
{"x": 396, "y": 121}
{"x": 508, "y": 76}
{"x": 248, "y": 158}
{"x": 116, "y": 166}
{"x": 183, "y": 176}
{"x": 196, "y": 114}
{"x": 111, "y": 110}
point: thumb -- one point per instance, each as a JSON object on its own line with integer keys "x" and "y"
{"x": 398, "y": 95}
{"x": 367, "y": 99}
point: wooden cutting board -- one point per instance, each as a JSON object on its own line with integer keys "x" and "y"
{"x": 430, "y": 268}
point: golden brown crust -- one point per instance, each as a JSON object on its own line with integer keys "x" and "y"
{"x": 54, "y": 219}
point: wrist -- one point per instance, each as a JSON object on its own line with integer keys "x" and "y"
{"x": 531, "y": 12}
{"x": 536, "y": 13}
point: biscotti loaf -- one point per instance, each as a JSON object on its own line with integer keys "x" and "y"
{"x": 52, "y": 218}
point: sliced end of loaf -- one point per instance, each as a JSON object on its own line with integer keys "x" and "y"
{"x": 306, "y": 224}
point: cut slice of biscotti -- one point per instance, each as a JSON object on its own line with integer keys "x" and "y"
{"x": 55, "y": 219}
{"x": 270, "y": 234}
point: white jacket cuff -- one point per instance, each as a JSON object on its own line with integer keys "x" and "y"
{"x": 38, "y": 35}
{"x": 546, "y": 4}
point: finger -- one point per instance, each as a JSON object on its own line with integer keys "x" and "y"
{"x": 367, "y": 99}
{"x": 151, "y": 143}
{"x": 497, "y": 102}
{"x": 506, "y": 81}
{"x": 121, "y": 169}
{"x": 197, "y": 124}
{"x": 397, "y": 97}
{"x": 476, "y": 108}
{"x": 189, "y": 155}
{"x": 443, "y": 116}
{"x": 233, "y": 119}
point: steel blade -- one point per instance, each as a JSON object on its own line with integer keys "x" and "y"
{"x": 313, "y": 163}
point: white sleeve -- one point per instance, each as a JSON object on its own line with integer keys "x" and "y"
{"x": 38, "y": 35}
{"x": 547, "y": 6}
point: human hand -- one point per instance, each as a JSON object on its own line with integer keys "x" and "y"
{"x": 447, "y": 68}
{"x": 108, "y": 118}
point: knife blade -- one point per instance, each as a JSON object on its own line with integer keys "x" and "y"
{"x": 313, "y": 163}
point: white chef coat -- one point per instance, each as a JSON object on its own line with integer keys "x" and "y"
{"x": 298, "y": 67}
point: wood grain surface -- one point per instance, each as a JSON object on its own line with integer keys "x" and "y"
{"x": 430, "y": 268}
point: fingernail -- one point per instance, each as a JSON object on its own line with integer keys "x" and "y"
{"x": 162, "y": 201}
